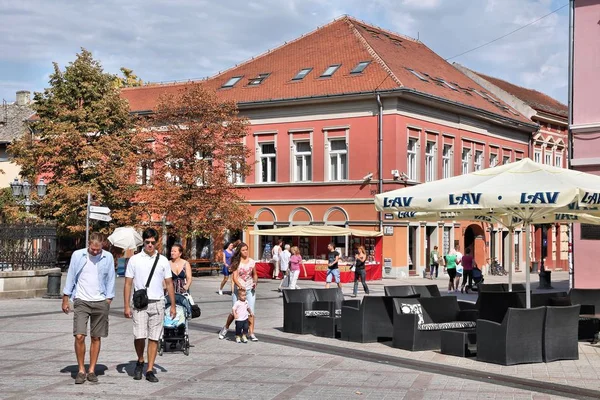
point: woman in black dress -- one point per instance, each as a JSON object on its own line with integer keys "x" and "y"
{"x": 359, "y": 271}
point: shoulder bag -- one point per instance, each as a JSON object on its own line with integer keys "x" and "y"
{"x": 140, "y": 297}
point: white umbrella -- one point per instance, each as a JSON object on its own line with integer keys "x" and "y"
{"x": 523, "y": 192}
{"x": 125, "y": 237}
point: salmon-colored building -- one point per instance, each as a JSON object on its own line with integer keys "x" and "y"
{"x": 585, "y": 128}
{"x": 548, "y": 146}
{"x": 351, "y": 110}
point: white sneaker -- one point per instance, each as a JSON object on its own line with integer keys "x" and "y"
{"x": 220, "y": 293}
{"x": 223, "y": 333}
{"x": 238, "y": 340}
{"x": 253, "y": 338}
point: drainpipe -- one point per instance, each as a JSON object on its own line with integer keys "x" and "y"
{"x": 569, "y": 132}
{"x": 380, "y": 155}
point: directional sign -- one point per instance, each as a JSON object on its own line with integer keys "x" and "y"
{"x": 99, "y": 210}
{"x": 100, "y": 217}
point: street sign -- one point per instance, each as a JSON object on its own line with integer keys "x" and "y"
{"x": 99, "y": 210}
{"x": 100, "y": 217}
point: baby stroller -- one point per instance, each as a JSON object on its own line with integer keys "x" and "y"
{"x": 175, "y": 330}
{"x": 477, "y": 280}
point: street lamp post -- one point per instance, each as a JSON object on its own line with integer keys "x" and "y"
{"x": 23, "y": 189}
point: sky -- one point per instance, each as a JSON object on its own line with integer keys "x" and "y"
{"x": 191, "y": 39}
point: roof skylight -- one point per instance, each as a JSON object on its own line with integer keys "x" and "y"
{"x": 360, "y": 67}
{"x": 231, "y": 82}
{"x": 418, "y": 75}
{"x": 258, "y": 80}
{"x": 448, "y": 85}
{"x": 301, "y": 74}
{"x": 330, "y": 70}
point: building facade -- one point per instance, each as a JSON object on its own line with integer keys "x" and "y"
{"x": 585, "y": 127}
{"x": 351, "y": 110}
{"x": 13, "y": 118}
{"x": 550, "y": 242}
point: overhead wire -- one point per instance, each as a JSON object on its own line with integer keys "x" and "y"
{"x": 508, "y": 34}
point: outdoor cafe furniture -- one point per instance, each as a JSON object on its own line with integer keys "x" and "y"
{"x": 589, "y": 322}
{"x": 501, "y": 287}
{"x": 459, "y": 342}
{"x": 369, "y": 320}
{"x": 412, "y": 291}
{"x": 302, "y": 306}
{"x": 419, "y": 322}
{"x": 517, "y": 340}
{"x": 328, "y": 327}
{"x": 560, "y": 333}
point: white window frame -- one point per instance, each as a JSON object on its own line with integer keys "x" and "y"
{"x": 430, "y": 164}
{"x": 505, "y": 159}
{"x": 412, "y": 158}
{"x": 537, "y": 155}
{"x": 338, "y": 155}
{"x": 558, "y": 159}
{"x": 493, "y": 160}
{"x": 465, "y": 161}
{"x": 447, "y": 161}
{"x": 303, "y": 174}
{"x": 548, "y": 157}
{"x": 478, "y": 162}
{"x": 145, "y": 170}
{"x": 271, "y": 161}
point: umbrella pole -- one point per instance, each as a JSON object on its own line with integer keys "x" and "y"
{"x": 511, "y": 251}
{"x": 527, "y": 262}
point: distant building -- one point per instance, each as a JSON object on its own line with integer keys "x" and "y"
{"x": 12, "y": 126}
{"x": 548, "y": 146}
{"x": 326, "y": 107}
{"x": 585, "y": 129}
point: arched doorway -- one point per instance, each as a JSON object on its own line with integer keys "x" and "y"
{"x": 474, "y": 239}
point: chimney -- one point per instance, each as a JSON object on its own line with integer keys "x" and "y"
{"x": 23, "y": 97}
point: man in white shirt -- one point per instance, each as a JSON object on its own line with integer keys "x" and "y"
{"x": 276, "y": 254}
{"x": 284, "y": 263}
{"x": 91, "y": 285}
{"x": 148, "y": 322}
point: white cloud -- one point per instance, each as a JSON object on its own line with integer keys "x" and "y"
{"x": 185, "y": 39}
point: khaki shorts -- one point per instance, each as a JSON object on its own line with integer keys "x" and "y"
{"x": 148, "y": 322}
{"x": 96, "y": 312}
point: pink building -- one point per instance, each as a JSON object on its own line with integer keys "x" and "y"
{"x": 585, "y": 127}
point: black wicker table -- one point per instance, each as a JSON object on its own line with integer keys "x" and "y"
{"x": 328, "y": 326}
{"x": 459, "y": 342}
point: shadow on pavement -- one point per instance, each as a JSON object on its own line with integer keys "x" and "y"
{"x": 129, "y": 367}
{"x": 73, "y": 369}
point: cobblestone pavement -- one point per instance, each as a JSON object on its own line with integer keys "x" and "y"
{"x": 37, "y": 359}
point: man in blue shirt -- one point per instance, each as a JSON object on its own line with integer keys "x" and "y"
{"x": 91, "y": 285}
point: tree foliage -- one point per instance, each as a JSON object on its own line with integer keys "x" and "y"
{"x": 82, "y": 139}
{"x": 194, "y": 150}
{"x": 129, "y": 79}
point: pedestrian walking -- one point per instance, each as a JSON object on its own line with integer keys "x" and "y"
{"x": 227, "y": 254}
{"x": 275, "y": 255}
{"x": 360, "y": 271}
{"x": 468, "y": 263}
{"x": 434, "y": 262}
{"x": 333, "y": 271}
{"x": 181, "y": 271}
{"x": 91, "y": 285}
{"x": 244, "y": 277}
{"x": 295, "y": 262}
{"x": 241, "y": 311}
{"x": 450, "y": 262}
{"x": 284, "y": 263}
{"x": 148, "y": 270}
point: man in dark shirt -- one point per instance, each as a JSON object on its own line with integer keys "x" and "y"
{"x": 332, "y": 271}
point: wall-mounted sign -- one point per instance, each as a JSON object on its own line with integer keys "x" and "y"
{"x": 388, "y": 230}
{"x": 388, "y": 216}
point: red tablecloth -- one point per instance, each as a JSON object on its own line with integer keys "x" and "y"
{"x": 318, "y": 272}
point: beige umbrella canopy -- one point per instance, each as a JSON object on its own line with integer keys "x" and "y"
{"x": 126, "y": 238}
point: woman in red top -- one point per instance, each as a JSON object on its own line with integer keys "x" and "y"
{"x": 468, "y": 263}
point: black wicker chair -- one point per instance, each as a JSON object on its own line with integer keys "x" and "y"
{"x": 560, "y": 333}
{"x": 493, "y": 305}
{"x": 517, "y": 340}
{"x": 295, "y": 304}
{"x": 439, "y": 313}
{"x": 367, "y": 321}
{"x": 589, "y": 300}
{"x": 411, "y": 291}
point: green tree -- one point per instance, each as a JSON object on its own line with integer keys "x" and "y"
{"x": 82, "y": 139}
{"x": 129, "y": 79}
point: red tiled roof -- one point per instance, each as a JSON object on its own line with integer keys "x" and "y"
{"x": 536, "y": 100}
{"x": 344, "y": 41}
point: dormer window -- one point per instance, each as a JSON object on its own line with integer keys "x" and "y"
{"x": 418, "y": 75}
{"x": 360, "y": 67}
{"x": 330, "y": 70}
{"x": 231, "y": 82}
{"x": 258, "y": 80}
{"x": 301, "y": 74}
